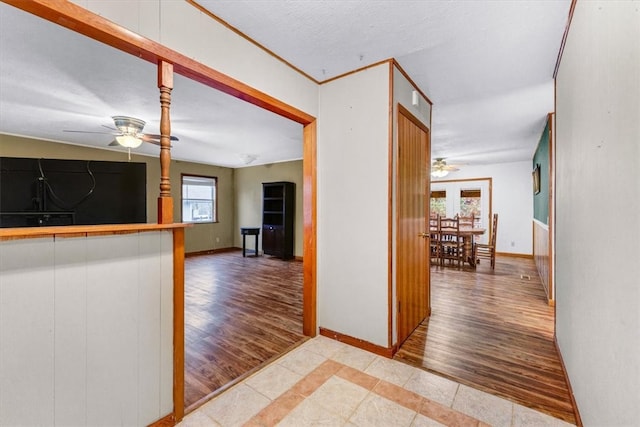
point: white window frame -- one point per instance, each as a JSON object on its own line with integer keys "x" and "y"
{"x": 194, "y": 189}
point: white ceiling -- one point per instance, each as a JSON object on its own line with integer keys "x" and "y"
{"x": 486, "y": 65}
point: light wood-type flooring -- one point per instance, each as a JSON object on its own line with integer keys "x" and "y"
{"x": 490, "y": 330}
{"x": 493, "y": 330}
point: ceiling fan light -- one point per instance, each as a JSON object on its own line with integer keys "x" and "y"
{"x": 128, "y": 125}
{"x": 439, "y": 173}
{"x": 129, "y": 141}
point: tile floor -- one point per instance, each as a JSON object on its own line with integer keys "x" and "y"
{"x": 325, "y": 382}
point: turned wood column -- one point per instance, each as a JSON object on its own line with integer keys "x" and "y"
{"x": 165, "y": 84}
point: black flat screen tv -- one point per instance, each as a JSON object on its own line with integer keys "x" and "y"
{"x": 39, "y": 192}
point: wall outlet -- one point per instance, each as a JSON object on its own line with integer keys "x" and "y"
{"x": 218, "y": 240}
{"x": 513, "y": 244}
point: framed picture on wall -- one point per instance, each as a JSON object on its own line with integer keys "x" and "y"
{"x": 536, "y": 179}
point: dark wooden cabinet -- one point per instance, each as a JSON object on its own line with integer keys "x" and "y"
{"x": 278, "y": 204}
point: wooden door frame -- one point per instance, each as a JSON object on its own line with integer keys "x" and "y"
{"x": 87, "y": 23}
{"x": 405, "y": 112}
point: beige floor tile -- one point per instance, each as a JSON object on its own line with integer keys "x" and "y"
{"x": 273, "y": 380}
{"x": 236, "y": 406}
{"x": 197, "y": 419}
{"x": 432, "y": 387}
{"x": 483, "y": 406}
{"x": 302, "y": 361}
{"x": 309, "y": 413}
{"x": 323, "y": 346}
{"x": 527, "y": 417}
{"x": 339, "y": 396}
{"x": 390, "y": 370}
{"x": 377, "y": 411}
{"x": 354, "y": 357}
{"x": 422, "y": 421}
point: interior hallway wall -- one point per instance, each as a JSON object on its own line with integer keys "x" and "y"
{"x": 598, "y": 211}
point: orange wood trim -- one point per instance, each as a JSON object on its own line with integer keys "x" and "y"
{"x": 166, "y": 421}
{"x": 178, "y": 324}
{"x": 309, "y": 249}
{"x": 406, "y": 76}
{"x": 357, "y": 342}
{"x": 211, "y": 251}
{"x": 165, "y": 84}
{"x": 249, "y": 39}
{"x": 165, "y": 210}
{"x": 82, "y": 230}
{"x": 32, "y": 236}
{"x": 514, "y": 255}
{"x": 574, "y": 404}
{"x": 375, "y": 64}
{"x": 552, "y": 178}
{"x": 464, "y": 180}
{"x": 564, "y": 38}
{"x": 416, "y": 121}
{"x": 82, "y": 21}
{"x": 390, "y": 189}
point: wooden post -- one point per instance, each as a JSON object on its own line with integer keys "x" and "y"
{"x": 165, "y": 84}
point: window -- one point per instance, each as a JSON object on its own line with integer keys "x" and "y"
{"x": 199, "y": 199}
{"x": 439, "y": 203}
{"x": 471, "y": 203}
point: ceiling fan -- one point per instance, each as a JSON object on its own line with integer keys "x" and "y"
{"x": 440, "y": 168}
{"x": 128, "y": 132}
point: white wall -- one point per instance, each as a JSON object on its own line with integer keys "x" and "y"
{"x": 512, "y": 201}
{"x": 353, "y": 205}
{"x": 598, "y": 211}
{"x": 86, "y": 330}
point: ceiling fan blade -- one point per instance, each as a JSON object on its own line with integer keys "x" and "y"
{"x": 110, "y": 127}
{"x": 155, "y": 136}
{"x": 113, "y": 143}
{"x": 87, "y": 131}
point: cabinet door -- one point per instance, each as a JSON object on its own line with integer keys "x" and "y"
{"x": 273, "y": 240}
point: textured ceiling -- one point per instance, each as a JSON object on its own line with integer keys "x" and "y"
{"x": 486, "y": 65}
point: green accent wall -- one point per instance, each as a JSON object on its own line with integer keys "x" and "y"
{"x": 541, "y": 157}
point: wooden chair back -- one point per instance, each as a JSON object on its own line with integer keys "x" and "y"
{"x": 451, "y": 242}
{"x": 488, "y": 250}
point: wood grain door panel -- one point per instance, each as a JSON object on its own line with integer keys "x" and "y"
{"x": 412, "y": 262}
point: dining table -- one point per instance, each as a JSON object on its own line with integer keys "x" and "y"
{"x": 467, "y": 234}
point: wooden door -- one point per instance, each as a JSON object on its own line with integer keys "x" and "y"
{"x": 412, "y": 241}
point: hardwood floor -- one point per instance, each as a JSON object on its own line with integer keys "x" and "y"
{"x": 239, "y": 314}
{"x": 493, "y": 331}
{"x": 490, "y": 330}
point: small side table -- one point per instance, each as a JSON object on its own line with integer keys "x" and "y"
{"x": 249, "y": 231}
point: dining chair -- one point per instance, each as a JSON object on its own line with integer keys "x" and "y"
{"x": 434, "y": 241}
{"x": 488, "y": 250}
{"x": 451, "y": 242}
{"x": 468, "y": 221}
